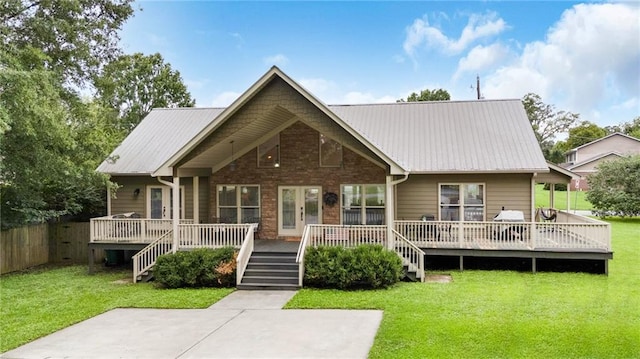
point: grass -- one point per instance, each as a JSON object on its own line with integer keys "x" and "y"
{"x": 481, "y": 314}
{"x": 578, "y": 199}
{"x": 41, "y": 301}
{"x": 496, "y": 314}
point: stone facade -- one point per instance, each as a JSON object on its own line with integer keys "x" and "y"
{"x": 299, "y": 165}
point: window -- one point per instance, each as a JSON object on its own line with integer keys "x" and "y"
{"x": 238, "y": 202}
{"x": 269, "y": 153}
{"x": 330, "y": 152}
{"x": 363, "y": 204}
{"x": 464, "y": 200}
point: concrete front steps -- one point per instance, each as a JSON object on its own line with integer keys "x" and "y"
{"x": 271, "y": 271}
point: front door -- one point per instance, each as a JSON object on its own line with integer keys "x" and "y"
{"x": 160, "y": 202}
{"x": 297, "y": 207}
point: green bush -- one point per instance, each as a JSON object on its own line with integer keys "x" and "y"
{"x": 560, "y": 187}
{"x": 366, "y": 266}
{"x": 203, "y": 267}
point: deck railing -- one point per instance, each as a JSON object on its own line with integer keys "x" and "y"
{"x": 304, "y": 243}
{"x": 345, "y": 236}
{"x": 146, "y": 258}
{"x": 213, "y": 235}
{"x": 130, "y": 230}
{"x": 589, "y": 235}
{"x": 411, "y": 255}
{"x": 242, "y": 260}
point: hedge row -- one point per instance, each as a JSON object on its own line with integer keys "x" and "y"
{"x": 198, "y": 268}
{"x": 366, "y": 266}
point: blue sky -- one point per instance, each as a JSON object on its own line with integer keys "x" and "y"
{"x": 580, "y": 57}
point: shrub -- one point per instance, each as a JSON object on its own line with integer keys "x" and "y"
{"x": 560, "y": 187}
{"x": 615, "y": 188}
{"x": 204, "y": 267}
{"x": 366, "y": 266}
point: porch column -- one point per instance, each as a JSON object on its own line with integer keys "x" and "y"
{"x": 568, "y": 197}
{"x": 389, "y": 209}
{"x": 176, "y": 211}
{"x": 196, "y": 200}
{"x": 552, "y": 195}
{"x": 108, "y": 200}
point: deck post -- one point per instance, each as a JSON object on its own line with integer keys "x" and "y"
{"x": 176, "y": 212}
{"x": 533, "y": 265}
{"x": 389, "y": 212}
{"x": 91, "y": 259}
{"x": 461, "y": 263}
{"x": 196, "y": 199}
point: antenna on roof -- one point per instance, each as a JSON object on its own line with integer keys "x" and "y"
{"x": 477, "y": 87}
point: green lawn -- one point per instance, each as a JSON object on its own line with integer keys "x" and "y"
{"x": 481, "y": 314}
{"x": 495, "y": 314}
{"x": 44, "y": 300}
{"x": 578, "y": 199}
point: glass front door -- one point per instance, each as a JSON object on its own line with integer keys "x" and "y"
{"x": 160, "y": 202}
{"x": 297, "y": 207}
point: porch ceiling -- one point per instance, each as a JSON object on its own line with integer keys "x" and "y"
{"x": 245, "y": 138}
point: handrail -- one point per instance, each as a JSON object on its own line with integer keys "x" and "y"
{"x": 242, "y": 260}
{"x": 146, "y": 258}
{"x": 404, "y": 248}
{"x": 301, "y": 251}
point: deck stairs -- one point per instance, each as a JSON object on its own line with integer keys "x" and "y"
{"x": 271, "y": 270}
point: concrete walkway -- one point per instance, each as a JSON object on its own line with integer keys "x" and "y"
{"x": 245, "y": 324}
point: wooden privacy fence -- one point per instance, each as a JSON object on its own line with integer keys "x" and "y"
{"x": 29, "y": 246}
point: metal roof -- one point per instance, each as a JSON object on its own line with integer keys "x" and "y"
{"x": 158, "y": 136}
{"x": 450, "y": 136}
{"x": 417, "y": 137}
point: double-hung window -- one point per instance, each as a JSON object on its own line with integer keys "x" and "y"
{"x": 462, "y": 201}
{"x": 363, "y": 204}
{"x": 238, "y": 203}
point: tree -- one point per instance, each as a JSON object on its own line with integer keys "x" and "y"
{"x": 428, "y": 95}
{"x": 584, "y": 133}
{"x": 43, "y": 174}
{"x": 632, "y": 128}
{"x": 615, "y": 188}
{"x": 547, "y": 122}
{"x": 74, "y": 37}
{"x": 135, "y": 84}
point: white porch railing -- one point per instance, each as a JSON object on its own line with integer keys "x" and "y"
{"x": 315, "y": 235}
{"x": 242, "y": 260}
{"x": 146, "y": 258}
{"x": 213, "y": 235}
{"x": 589, "y": 235}
{"x": 115, "y": 229}
{"x": 411, "y": 255}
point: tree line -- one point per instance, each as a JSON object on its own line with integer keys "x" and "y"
{"x": 53, "y": 138}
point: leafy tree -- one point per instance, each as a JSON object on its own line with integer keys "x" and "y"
{"x": 74, "y": 37}
{"x": 584, "y": 133}
{"x": 632, "y": 128}
{"x": 547, "y": 122}
{"x": 615, "y": 188}
{"x": 43, "y": 174}
{"x": 135, "y": 84}
{"x": 428, "y": 95}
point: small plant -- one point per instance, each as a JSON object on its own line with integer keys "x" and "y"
{"x": 203, "y": 267}
{"x": 366, "y": 266}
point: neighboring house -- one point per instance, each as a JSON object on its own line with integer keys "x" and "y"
{"x": 585, "y": 159}
{"x": 299, "y": 169}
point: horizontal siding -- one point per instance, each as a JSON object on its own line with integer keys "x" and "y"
{"x": 419, "y": 194}
{"x": 126, "y": 202}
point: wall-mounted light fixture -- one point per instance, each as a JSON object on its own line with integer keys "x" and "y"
{"x": 232, "y": 165}
{"x": 277, "y": 164}
{"x": 136, "y": 192}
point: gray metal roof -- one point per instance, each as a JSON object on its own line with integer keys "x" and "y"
{"x": 159, "y": 135}
{"x": 450, "y": 136}
{"x": 421, "y": 137}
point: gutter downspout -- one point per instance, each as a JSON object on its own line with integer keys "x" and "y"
{"x": 391, "y": 206}
{"x": 175, "y": 186}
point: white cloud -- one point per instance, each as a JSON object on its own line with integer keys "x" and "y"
{"x": 238, "y": 38}
{"x": 278, "y": 60}
{"x": 482, "y": 58}
{"x": 589, "y": 57}
{"x": 356, "y": 97}
{"x": 421, "y": 32}
{"x": 195, "y": 84}
{"x": 398, "y": 59}
{"x": 317, "y": 86}
{"x": 225, "y": 99}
